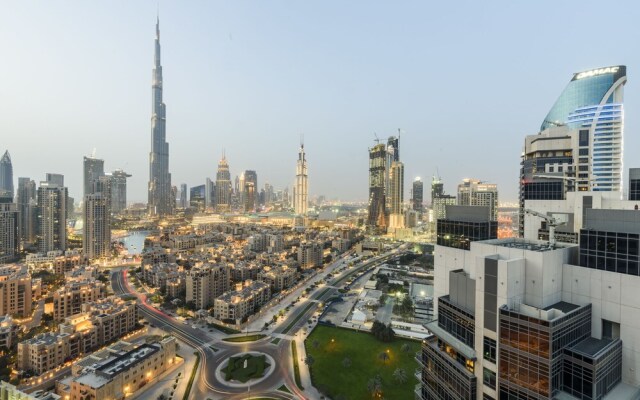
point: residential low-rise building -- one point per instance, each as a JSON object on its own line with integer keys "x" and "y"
{"x": 15, "y": 290}
{"x": 310, "y": 255}
{"x": 8, "y": 331}
{"x": 99, "y": 323}
{"x": 121, "y": 373}
{"x": 68, "y": 300}
{"x": 206, "y": 282}
{"x": 60, "y": 261}
{"x": 278, "y": 277}
{"x": 10, "y": 392}
{"x": 244, "y": 301}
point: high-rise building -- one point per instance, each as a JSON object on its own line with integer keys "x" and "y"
{"x": 159, "y": 177}
{"x": 579, "y": 146}
{"x": 437, "y": 188}
{"x": 592, "y": 105}
{"x": 119, "y": 190}
{"x": 209, "y": 194}
{"x": 417, "y": 195}
{"x": 526, "y": 319}
{"x": 196, "y": 197}
{"x": 56, "y": 179}
{"x": 93, "y": 168}
{"x": 268, "y": 194}
{"x": 252, "y": 176}
{"x": 396, "y": 194}
{"x": 472, "y": 192}
{"x": 249, "y": 196}
{"x": 183, "y": 195}
{"x": 52, "y": 215}
{"x": 634, "y": 183}
{"x": 301, "y": 190}
{"x": 9, "y": 230}
{"x": 440, "y": 200}
{"x": 96, "y": 239}
{"x": 377, "y": 218}
{"x": 6, "y": 176}
{"x": 27, "y": 205}
{"x": 223, "y": 186}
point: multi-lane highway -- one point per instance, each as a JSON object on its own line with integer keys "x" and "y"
{"x": 208, "y": 385}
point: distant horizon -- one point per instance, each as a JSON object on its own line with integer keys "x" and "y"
{"x": 465, "y": 86}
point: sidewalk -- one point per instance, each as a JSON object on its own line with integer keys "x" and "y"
{"x": 182, "y": 373}
{"x": 305, "y": 376}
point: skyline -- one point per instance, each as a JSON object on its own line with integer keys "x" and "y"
{"x": 245, "y": 82}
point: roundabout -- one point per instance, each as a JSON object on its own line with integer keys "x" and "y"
{"x": 245, "y": 369}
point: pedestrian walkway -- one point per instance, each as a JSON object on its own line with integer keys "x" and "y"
{"x": 305, "y": 376}
{"x": 182, "y": 374}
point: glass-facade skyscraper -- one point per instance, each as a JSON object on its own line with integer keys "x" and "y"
{"x": 579, "y": 146}
{"x": 6, "y": 176}
{"x": 592, "y": 104}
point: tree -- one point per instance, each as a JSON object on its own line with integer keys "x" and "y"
{"x": 405, "y": 348}
{"x": 346, "y": 362}
{"x": 315, "y": 344}
{"x": 309, "y": 361}
{"x": 382, "y": 300}
{"x": 383, "y": 356}
{"x": 374, "y": 386}
{"x": 400, "y": 375}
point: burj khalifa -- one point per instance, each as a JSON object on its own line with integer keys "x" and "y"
{"x": 160, "y": 203}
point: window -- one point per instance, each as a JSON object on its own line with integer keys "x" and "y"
{"x": 489, "y": 349}
{"x": 583, "y": 152}
{"x": 489, "y": 378}
{"x": 583, "y": 138}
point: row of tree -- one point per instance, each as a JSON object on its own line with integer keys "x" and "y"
{"x": 383, "y": 332}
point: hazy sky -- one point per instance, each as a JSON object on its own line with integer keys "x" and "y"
{"x": 465, "y": 81}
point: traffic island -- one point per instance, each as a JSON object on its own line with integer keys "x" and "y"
{"x": 245, "y": 369}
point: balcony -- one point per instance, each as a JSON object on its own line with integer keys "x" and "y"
{"x": 418, "y": 392}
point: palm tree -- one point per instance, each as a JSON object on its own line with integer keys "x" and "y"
{"x": 400, "y": 375}
{"x": 346, "y": 362}
{"x": 374, "y": 386}
{"x": 405, "y": 348}
{"x": 383, "y": 356}
{"x": 309, "y": 361}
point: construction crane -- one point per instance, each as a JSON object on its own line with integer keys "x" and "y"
{"x": 552, "y": 223}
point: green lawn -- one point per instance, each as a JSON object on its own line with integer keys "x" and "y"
{"x": 334, "y": 379}
{"x": 236, "y": 370}
{"x": 223, "y": 329}
{"x": 242, "y": 339}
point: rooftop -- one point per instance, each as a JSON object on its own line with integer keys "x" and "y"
{"x": 592, "y": 346}
{"x": 531, "y": 245}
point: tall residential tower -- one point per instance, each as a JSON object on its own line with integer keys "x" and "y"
{"x": 6, "y": 176}
{"x": 159, "y": 177}
{"x": 300, "y": 191}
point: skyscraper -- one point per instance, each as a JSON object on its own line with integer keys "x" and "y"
{"x": 93, "y": 168}
{"x": 27, "y": 205}
{"x": 223, "y": 186}
{"x": 119, "y": 190}
{"x": 472, "y": 192}
{"x": 300, "y": 192}
{"x": 396, "y": 194}
{"x": 9, "y": 230}
{"x": 249, "y": 196}
{"x": 52, "y": 214}
{"x": 209, "y": 194}
{"x": 417, "y": 195}
{"x": 96, "y": 239}
{"x": 251, "y": 176}
{"x": 159, "y": 177}
{"x": 377, "y": 218}
{"x": 183, "y": 195}
{"x": 579, "y": 146}
{"x": 6, "y": 176}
